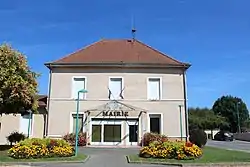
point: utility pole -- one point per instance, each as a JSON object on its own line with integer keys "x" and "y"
{"x": 238, "y": 116}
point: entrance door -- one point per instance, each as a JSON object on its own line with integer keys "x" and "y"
{"x": 133, "y": 130}
{"x": 132, "y": 133}
{"x": 112, "y": 134}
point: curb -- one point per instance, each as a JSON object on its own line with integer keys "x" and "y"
{"x": 152, "y": 163}
{"x": 43, "y": 162}
{"x": 239, "y": 164}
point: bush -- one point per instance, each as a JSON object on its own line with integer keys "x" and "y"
{"x": 171, "y": 150}
{"x": 151, "y": 137}
{"x": 41, "y": 148}
{"x": 71, "y": 137}
{"x": 198, "y": 137}
{"x": 15, "y": 137}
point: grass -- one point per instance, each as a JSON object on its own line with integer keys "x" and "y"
{"x": 210, "y": 155}
{"x": 5, "y": 158}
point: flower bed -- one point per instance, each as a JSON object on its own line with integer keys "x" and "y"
{"x": 71, "y": 137}
{"x": 152, "y": 137}
{"x": 41, "y": 148}
{"x": 171, "y": 150}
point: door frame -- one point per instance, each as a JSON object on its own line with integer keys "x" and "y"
{"x": 149, "y": 115}
{"x": 102, "y": 123}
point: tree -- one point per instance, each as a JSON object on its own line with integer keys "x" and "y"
{"x": 204, "y": 118}
{"x": 18, "y": 85}
{"x": 226, "y": 106}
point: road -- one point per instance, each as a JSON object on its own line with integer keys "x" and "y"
{"x": 234, "y": 145}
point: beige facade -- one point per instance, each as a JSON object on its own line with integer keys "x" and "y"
{"x": 170, "y": 107}
{"x": 11, "y": 123}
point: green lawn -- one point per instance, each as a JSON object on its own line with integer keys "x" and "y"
{"x": 5, "y": 158}
{"x": 210, "y": 155}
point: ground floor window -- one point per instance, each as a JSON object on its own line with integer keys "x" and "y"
{"x": 96, "y": 133}
{"x": 155, "y": 123}
{"x": 80, "y": 123}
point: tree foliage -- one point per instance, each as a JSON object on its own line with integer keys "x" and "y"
{"x": 226, "y": 106}
{"x": 18, "y": 85}
{"x": 204, "y": 118}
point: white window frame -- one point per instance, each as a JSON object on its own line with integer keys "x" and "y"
{"x": 148, "y": 121}
{"x": 160, "y": 78}
{"x": 72, "y": 86}
{"x": 117, "y": 77}
{"x": 71, "y": 121}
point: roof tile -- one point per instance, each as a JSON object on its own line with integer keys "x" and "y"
{"x": 114, "y": 51}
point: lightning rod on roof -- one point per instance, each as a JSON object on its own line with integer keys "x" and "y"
{"x": 133, "y": 30}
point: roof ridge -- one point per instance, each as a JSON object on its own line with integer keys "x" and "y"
{"x": 162, "y": 54}
{"x": 78, "y": 50}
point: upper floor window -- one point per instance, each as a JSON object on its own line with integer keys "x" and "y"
{"x": 154, "y": 88}
{"x": 115, "y": 88}
{"x": 79, "y": 83}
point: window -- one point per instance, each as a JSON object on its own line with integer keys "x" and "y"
{"x": 79, "y": 84}
{"x": 115, "y": 88}
{"x": 154, "y": 89}
{"x": 155, "y": 123}
{"x": 80, "y": 123}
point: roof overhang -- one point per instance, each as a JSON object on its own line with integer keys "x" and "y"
{"x": 117, "y": 64}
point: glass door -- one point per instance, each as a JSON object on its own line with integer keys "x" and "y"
{"x": 133, "y": 137}
{"x": 106, "y": 133}
{"x": 112, "y": 134}
{"x": 132, "y": 133}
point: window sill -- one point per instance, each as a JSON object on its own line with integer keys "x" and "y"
{"x": 80, "y": 99}
{"x": 154, "y": 100}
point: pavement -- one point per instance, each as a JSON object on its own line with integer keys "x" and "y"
{"x": 102, "y": 157}
{"x": 234, "y": 145}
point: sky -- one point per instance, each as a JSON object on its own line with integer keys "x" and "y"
{"x": 212, "y": 35}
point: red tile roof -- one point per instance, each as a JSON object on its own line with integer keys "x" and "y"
{"x": 42, "y": 100}
{"x": 119, "y": 51}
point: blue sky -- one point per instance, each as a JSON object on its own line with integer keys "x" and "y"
{"x": 214, "y": 36}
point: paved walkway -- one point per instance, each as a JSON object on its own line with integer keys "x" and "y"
{"x": 105, "y": 157}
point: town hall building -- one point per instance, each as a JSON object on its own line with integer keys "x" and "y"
{"x": 131, "y": 89}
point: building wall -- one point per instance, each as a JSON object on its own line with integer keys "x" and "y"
{"x": 62, "y": 104}
{"x": 38, "y": 126}
{"x": 11, "y": 123}
{"x": 135, "y": 82}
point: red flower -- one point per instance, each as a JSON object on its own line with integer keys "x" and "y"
{"x": 189, "y": 144}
